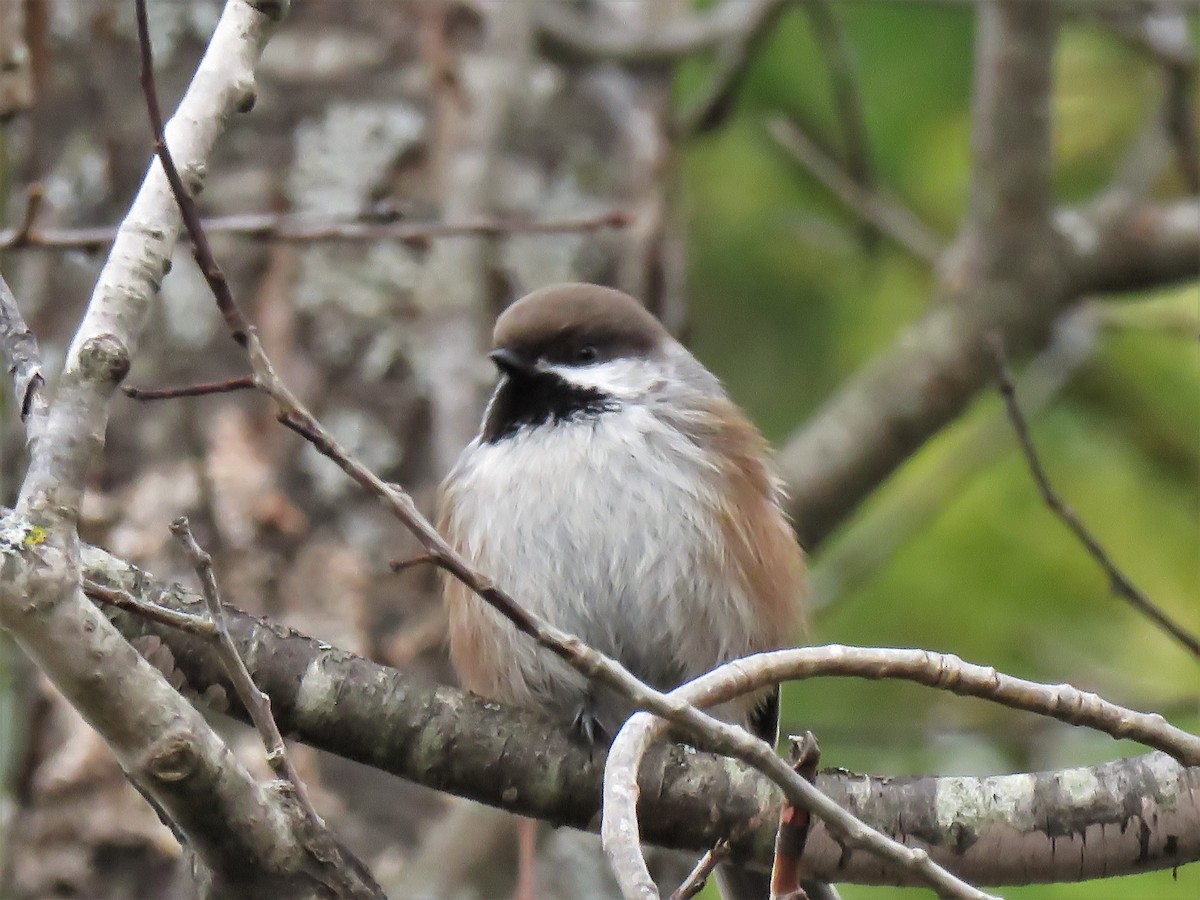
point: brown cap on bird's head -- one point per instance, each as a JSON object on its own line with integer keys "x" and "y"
{"x": 576, "y": 323}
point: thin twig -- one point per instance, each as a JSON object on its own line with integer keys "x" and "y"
{"x": 245, "y": 382}
{"x": 698, "y": 877}
{"x": 1120, "y": 582}
{"x": 173, "y": 618}
{"x": 565, "y": 33}
{"x": 619, "y": 828}
{"x": 291, "y": 229}
{"x": 835, "y": 48}
{"x": 872, "y": 205}
{"x": 257, "y": 704}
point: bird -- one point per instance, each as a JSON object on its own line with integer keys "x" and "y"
{"x": 615, "y": 490}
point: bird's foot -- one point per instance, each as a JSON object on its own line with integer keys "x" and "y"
{"x": 588, "y": 726}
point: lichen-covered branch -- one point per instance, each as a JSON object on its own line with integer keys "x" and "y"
{"x": 247, "y": 839}
{"x": 23, "y": 361}
{"x": 1127, "y": 816}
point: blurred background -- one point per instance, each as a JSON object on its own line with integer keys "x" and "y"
{"x": 400, "y": 112}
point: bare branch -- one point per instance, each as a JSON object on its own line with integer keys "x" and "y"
{"x": 1004, "y": 273}
{"x": 230, "y": 312}
{"x": 938, "y": 364}
{"x": 735, "y": 679}
{"x": 590, "y": 663}
{"x": 874, "y": 206}
{"x": 290, "y": 229}
{"x": 947, "y": 672}
{"x": 1102, "y": 821}
{"x": 619, "y": 828}
{"x": 1121, "y": 584}
{"x": 34, "y": 197}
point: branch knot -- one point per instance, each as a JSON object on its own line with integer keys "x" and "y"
{"x": 104, "y": 358}
{"x": 173, "y": 758}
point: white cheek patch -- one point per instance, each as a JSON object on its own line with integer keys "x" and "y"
{"x": 620, "y": 378}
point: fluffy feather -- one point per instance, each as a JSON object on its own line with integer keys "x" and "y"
{"x": 653, "y": 531}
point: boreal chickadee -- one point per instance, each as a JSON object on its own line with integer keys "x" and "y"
{"x": 615, "y": 490}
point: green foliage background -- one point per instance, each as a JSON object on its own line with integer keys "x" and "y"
{"x": 958, "y": 553}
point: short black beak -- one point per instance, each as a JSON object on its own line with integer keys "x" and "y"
{"x": 512, "y": 363}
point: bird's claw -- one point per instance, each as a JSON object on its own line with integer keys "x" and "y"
{"x": 587, "y": 725}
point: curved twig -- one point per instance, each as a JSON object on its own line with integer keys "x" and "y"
{"x": 943, "y": 671}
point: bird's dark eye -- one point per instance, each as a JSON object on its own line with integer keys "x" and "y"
{"x": 586, "y": 354}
